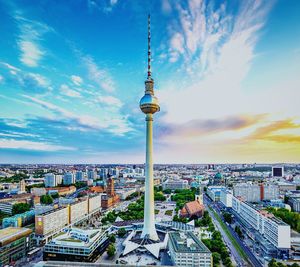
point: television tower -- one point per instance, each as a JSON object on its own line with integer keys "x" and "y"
{"x": 149, "y": 105}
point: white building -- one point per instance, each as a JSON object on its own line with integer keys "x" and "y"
{"x": 255, "y": 192}
{"x": 274, "y": 230}
{"x": 226, "y": 198}
{"x": 187, "y": 250}
{"x": 175, "y": 183}
{"x": 214, "y": 192}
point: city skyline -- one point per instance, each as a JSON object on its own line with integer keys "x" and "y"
{"x": 226, "y": 77}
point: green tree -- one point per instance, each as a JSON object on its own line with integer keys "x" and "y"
{"x": 46, "y": 199}
{"x": 227, "y": 217}
{"x": 216, "y": 259}
{"x": 272, "y": 263}
{"x": 111, "y": 250}
{"x": 121, "y": 232}
{"x": 20, "y": 208}
{"x": 112, "y": 238}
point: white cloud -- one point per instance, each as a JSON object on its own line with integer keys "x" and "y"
{"x": 113, "y": 123}
{"x": 30, "y": 145}
{"x": 99, "y": 75}
{"x": 29, "y": 40}
{"x": 1, "y": 78}
{"x": 110, "y": 100}
{"x": 31, "y": 53}
{"x": 66, "y": 90}
{"x": 40, "y": 79}
{"x": 77, "y": 80}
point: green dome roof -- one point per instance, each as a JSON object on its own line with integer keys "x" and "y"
{"x": 218, "y": 176}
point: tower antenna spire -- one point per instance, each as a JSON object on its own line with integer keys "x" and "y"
{"x": 149, "y": 49}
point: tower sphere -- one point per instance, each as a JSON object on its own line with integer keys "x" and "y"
{"x": 149, "y": 104}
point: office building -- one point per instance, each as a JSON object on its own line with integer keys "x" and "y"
{"x": 256, "y": 192}
{"x": 50, "y": 180}
{"x": 214, "y": 192}
{"x": 19, "y": 220}
{"x": 6, "y": 207}
{"x": 68, "y": 178}
{"x": 272, "y": 229}
{"x": 175, "y": 183}
{"x": 15, "y": 243}
{"x": 76, "y": 245}
{"x": 51, "y": 221}
{"x": 226, "y": 198}
{"x": 78, "y": 210}
{"x": 188, "y": 251}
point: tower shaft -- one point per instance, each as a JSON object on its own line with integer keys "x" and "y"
{"x": 149, "y": 230}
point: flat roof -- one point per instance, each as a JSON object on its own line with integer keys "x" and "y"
{"x": 180, "y": 242}
{"x": 66, "y": 240}
{"x": 10, "y": 234}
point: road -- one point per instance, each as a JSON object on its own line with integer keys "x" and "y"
{"x": 254, "y": 261}
{"x": 238, "y": 259}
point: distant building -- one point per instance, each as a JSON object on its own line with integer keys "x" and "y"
{"x": 92, "y": 175}
{"x": 110, "y": 198}
{"x": 294, "y": 202}
{"x": 277, "y": 171}
{"x": 15, "y": 243}
{"x": 226, "y": 198}
{"x": 187, "y": 250}
{"x": 38, "y": 191}
{"x": 192, "y": 209}
{"x": 19, "y": 220}
{"x": 256, "y": 192}
{"x": 79, "y": 176}
{"x": 214, "y": 192}
{"x": 68, "y": 178}
{"x": 22, "y": 186}
{"x": 175, "y": 183}
{"x": 50, "y": 180}
{"x": 76, "y": 245}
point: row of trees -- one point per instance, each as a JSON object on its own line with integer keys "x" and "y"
{"x": 20, "y": 208}
{"x": 14, "y": 179}
{"x": 274, "y": 263}
{"x": 289, "y": 217}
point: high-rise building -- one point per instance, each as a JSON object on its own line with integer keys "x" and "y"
{"x": 69, "y": 178}
{"x": 79, "y": 176}
{"x": 103, "y": 173}
{"x": 92, "y": 175}
{"x": 50, "y": 180}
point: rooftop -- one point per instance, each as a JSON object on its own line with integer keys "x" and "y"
{"x": 187, "y": 243}
{"x": 76, "y": 237}
{"x": 10, "y": 234}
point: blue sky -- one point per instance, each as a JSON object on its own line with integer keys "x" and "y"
{"x": 226, "y": 74}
